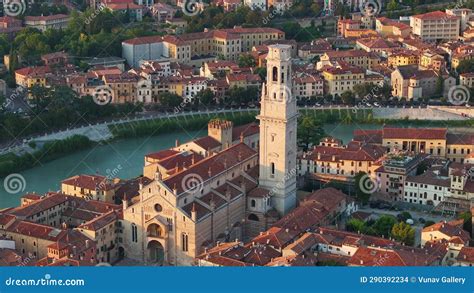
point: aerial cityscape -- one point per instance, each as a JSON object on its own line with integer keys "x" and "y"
{"x": 230, "y": 133}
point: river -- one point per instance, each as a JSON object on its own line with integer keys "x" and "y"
{"x": 128, "y": 153}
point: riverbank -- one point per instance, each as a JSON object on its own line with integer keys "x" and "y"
{"x": 11, "y": 163}
{"x": 177, "y": 123}
{"x": 185, "y": 122}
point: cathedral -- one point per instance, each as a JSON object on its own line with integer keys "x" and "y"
{"x": 231, "y": 184}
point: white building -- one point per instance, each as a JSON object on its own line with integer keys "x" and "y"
{"x": 256, "y": 4}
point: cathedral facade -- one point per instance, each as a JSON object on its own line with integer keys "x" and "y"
{"x": 228, "y": 186}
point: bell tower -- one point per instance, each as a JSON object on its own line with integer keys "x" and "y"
{"x": 278, "y": 124}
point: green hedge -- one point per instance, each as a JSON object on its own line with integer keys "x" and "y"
{"x": 11, "y": 163}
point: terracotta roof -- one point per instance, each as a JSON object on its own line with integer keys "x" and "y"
{"x": 354, "y": 151}
{"x": 207, "y": 142}
{"x": 47, "y": 202}
{"x": 466, "y": 255}
{"x": 275, "y": 237}
{"x": 414, "y": 133}
{"x": 46, "y": 18}
{"x": 451, "y": 229}
{"x": 435, "y": 15}
{"x": 162, "y": 154}
{"x": 430, "y": 178}
{"x": 91, "y": 182}
{"x": 102, "y": 221}
{"x": 460, "y": 138}
{"x": 211, "y": 166}
{"x": 246, "y": 129}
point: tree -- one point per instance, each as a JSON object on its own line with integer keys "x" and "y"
{"x": 348, "y": 98}
{"x": 383, "y": 225}
{"x": 205, "y": 97}
{"x": 439, "y": 86}
{"x": 170, "y": 100}
{"x": 246, "y": 60}
{"x": 467, "y": 217}
{"x": 262, "y": 72}
{"x": 403, "y": 233}
{"x": 356, "y": 225}
{"x": 403, "y": 216}
{"x": 310, "y": 131}
{"x": 465, "y": 66}
{"x": 361, "y": 187}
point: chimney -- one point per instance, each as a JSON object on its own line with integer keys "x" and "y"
{"x": 240, "y": 156}
{"x": 209, "y": 172}
{"x": 193, "y": 159}
{"x": 87, "y": 243}
{"x": 176, "y": 143}
{"x": 194, "y": 213}
{"x": 319, "y": 156}
{"x": 124, "y": 204}
{"x": 64, "y": 225}
{"x": 175, "y": 189}
{"x": 241, "y": 137}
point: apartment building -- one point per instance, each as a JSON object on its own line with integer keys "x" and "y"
{"x": 395, "y": 169}
{"x": 435, "y": 26}
{"x": 43, "y": 23}
{"x": 389, "y": 28}
{"x": 337, "y": 80}
{"x": 340, "y": 163}
{"x": 308, "y": 86}
{"x": 49, "y": 229}
{"x": 359, "y": 58}
{"x": 402, "y": 57}
{"x": 467, "y": 79}
{"x": 227, "y": 43}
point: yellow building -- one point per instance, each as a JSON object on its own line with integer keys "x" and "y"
{"x": 91, "y": 187}
{"x": 387, "y": 27}
{"x": 30, "y": 76}
{"x": 359, "y": 58}
{"x": 457, "y": 58}
{"x": 402, "y": 58}
{"x": 123, "y": 87}
{"x": 338, "y": 80}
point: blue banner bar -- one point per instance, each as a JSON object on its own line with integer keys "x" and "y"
{"x": 200, "y": 279}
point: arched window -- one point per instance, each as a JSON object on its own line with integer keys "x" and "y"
{"x": 134, "y": 233}
{"x": 253, "y": 217}
{"x": 274, "y": 73}
{"x": 253, "y": 203}
{"x": 184, "y": 241}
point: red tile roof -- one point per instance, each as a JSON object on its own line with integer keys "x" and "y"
{"x": 451, "y": 229}
{"x": 435, "y": 15}
{"x": 211, "y": 166}
{"x": 414, "y": 133}
{"x": 91, "y": 182}
{"x": 466, "y": 255}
